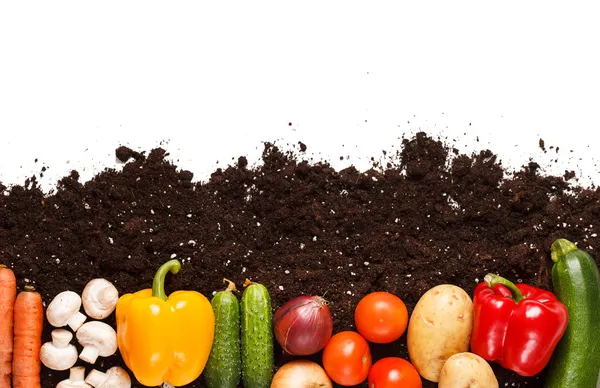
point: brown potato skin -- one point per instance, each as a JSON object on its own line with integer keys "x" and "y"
{"x": 467, "y": 370}
{"x": 440, "y": 326}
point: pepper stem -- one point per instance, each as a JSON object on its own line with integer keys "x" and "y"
{"x": 560, "y": 248}
{"x": 491, "y": 280}
{"x": 158, "y": 284}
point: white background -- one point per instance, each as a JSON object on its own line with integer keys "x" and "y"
{"x": 212, "y": 82}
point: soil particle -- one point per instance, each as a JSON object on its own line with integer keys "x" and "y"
{"x": 569, "y": 175}
{"x": 242, "y": 162}
{"x": 125, "y": 153}
{"x": 298, "y": 227}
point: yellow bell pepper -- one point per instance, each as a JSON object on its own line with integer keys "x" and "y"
{"x": 165, "y": 339}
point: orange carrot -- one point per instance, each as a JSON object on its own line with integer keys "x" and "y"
{"x": 8, "y": 293}
{"x": 29, "y": 322}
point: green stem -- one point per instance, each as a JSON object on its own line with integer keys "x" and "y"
{"x": 560, "y": 248}
{"x": 158, "y": 285}
{"x": 491, "y": 280}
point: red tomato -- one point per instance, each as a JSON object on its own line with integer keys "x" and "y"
{"x": 392, "y": 372}
{"x": 347, "y": 358}
{"x": 381, "y": 317}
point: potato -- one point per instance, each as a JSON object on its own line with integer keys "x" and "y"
{"x": 439, "y": 327}
{"x": 467, "y": 370}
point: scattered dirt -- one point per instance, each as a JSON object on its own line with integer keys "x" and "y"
{"x": 299, "y": 228}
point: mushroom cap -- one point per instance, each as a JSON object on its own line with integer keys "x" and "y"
{"x": 99, "y": 335}
{"x": 99, "y": 298}
{"x": 62, "y": 308}
{"x": 119, "y": 374}
{"x": 61, "y": 338}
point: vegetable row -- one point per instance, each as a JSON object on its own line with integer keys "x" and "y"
{"x": 451, "y": 338}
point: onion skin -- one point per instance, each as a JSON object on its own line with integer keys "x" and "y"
{"x": 303, "y": 325}
{"x": 301, "y": 374}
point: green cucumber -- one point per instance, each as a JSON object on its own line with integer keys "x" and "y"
{"x": 223, "y": 369}
{"x": 576, "y": 280}
{"x": 257, "y": 336}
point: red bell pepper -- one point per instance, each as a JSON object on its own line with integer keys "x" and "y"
{"x": 517, "y": 326}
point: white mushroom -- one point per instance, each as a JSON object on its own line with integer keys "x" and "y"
{"x": 75, "y": 380}
{"x": 97, "y": 339}
{"x": 115, "y": 377}
{"x": 99, "y": 298}
{"x": 64, "y": 310}
{"x": 59, "y": 354}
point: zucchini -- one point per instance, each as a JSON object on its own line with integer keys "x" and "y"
{"x": 223, "y": 369}
{"x": 257, "y": 336}
{"x": 576, "y": 280}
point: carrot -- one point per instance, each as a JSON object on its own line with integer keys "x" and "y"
{"x": 8, "y": 293}
{"x": 29, "y": 322}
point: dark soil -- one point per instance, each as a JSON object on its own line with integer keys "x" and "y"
{"x": 299, "y": 228}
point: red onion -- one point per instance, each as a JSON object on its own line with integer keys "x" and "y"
{"x": 303, "y": 325}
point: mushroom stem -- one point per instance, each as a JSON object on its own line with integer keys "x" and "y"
{"x": 75, "y": 380}
{"x": 90, "y": 354}
{"x": 108, "y": 295}
{"x": 61, "y": 338}
{"x": 99, "y": 298}
{"x": 76, "y": 321}
{"x": 115, "y": 377}
{"x": 77, "y": 373}
{"x": 95, "y": 378}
